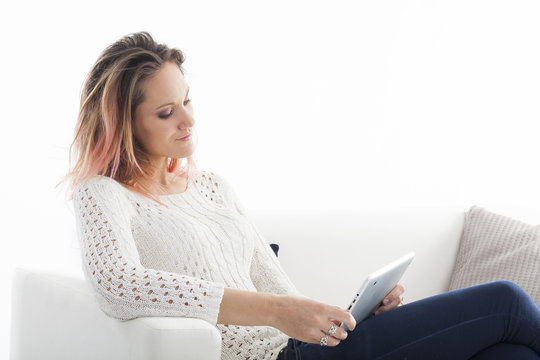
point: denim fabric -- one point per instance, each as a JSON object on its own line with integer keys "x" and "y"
{"x": 291, "y": 351}
{"x": 491, "y": 321}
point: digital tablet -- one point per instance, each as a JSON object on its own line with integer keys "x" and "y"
{"x": 375, "y": 287}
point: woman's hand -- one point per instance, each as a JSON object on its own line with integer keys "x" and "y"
{"x": 307, "y": 320}
{"x": 392, "y": 300}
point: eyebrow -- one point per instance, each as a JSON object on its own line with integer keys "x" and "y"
{"x": 172, "y": 103}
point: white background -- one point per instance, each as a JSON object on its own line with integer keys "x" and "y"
{"x": 299, "y": 104}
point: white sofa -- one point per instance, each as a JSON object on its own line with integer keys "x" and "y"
{"x": 326, "y": 253}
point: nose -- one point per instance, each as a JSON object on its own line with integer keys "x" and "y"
{"x": 185, "y": 119}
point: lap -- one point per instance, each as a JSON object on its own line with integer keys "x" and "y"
{"x": 455, "y": 325}
{"x": 505, "y": 351}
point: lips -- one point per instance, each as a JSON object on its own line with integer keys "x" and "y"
{"x": 185, "y": 137}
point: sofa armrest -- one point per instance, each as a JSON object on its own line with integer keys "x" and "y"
{"x": 55, "y": 316}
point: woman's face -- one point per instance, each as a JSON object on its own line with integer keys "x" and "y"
{"x": 165, "y": 115}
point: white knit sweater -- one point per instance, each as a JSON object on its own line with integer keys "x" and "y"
{"x": 145, "y": 259}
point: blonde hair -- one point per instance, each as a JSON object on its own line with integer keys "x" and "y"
{"x": 104, "y": 142}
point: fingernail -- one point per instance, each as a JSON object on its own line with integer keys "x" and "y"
{"x": 386, "y": 301}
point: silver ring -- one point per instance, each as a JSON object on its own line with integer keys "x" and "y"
{"x": 324, "y": 340}
{"x": 332, "y": 330}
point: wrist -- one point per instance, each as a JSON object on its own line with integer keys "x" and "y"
{"x": 275, "y": 302}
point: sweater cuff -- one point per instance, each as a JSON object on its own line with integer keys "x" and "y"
{"x": 214, "y": 295}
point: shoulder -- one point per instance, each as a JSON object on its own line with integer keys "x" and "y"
{"x": 209, "y": 178}
{"x": 211, "y": 186}
{"x": 100, "y": 182}
{"x": 102, "y": 187}
{"x": 216, "y": 184}
{"x": 213, "y": 182}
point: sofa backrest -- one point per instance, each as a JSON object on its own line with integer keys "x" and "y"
{"x": 328, "y": 252}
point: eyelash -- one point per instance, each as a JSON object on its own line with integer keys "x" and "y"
{"x": 166, "y": 116}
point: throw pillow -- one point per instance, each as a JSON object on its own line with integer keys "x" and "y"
{"x": 496, "y": 247}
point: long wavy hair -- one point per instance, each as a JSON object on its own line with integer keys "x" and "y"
{"x": 104, "y": 142}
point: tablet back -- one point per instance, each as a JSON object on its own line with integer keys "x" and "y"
{"x": 375, "y": 287}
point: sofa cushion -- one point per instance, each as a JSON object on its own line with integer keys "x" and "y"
{"x": 496, "y": 247}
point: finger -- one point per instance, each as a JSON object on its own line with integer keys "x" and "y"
{"x": 399, "y": 289}
{"x": 396, "y": 293}
{"x": 393, "y": 304}
{"x": 331, "y": 341}
{"x": 340, "y": 333}
{"x": 343, "y": 316}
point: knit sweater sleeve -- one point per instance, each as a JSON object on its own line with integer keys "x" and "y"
{"x": 124, "y": 288}
{"x": 266, "y": 271}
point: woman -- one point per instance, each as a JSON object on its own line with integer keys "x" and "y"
{"x": 160, "y": 239}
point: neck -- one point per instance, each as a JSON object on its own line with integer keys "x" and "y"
{"x": 160, "y": 174}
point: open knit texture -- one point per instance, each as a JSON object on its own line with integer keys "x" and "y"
{"x": 145, "y": 259}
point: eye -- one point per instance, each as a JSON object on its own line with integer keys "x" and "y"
{"x": 166, "y": 115}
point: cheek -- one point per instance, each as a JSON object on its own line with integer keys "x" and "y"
{"x": 144, "y": 135}
{"x": 139, "y": 134}
{"x": 155, "y": 136}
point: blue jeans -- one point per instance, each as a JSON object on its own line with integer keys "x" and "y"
{"x": 491, "y": 321}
